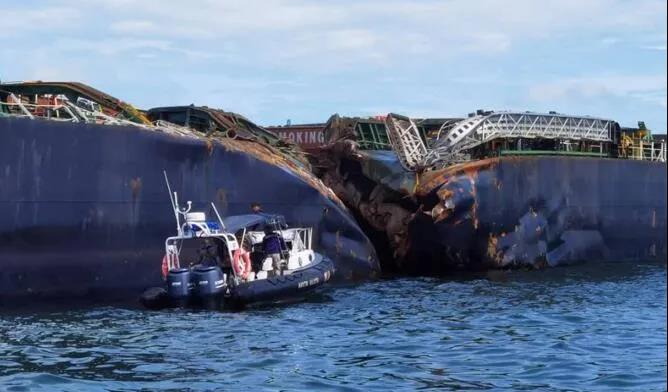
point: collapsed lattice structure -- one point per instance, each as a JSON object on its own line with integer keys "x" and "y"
{"x": 496, "y": 133}
{"x": 406, "y": 141}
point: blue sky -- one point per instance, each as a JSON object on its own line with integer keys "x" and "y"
{"x": 274, "y": 60}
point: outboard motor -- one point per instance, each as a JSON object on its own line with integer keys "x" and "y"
{"x": 178, "y": 284}
{"x": 207, "y": 282}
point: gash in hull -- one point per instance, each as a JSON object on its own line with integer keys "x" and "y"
{"x": 85, "y": 208}
{"x": 499, "y": 190}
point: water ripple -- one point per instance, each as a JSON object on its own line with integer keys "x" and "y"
{"x": 579, "y": 328}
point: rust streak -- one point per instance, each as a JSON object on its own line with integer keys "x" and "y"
{"x": 209, "y": 147}
{"x": 135, "y": 186}
{"x": 269, "y": 154}
{"x": 432, "y": 179}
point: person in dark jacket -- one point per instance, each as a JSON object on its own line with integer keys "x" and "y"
{"x": 273, "y": 246}
{"x": 256, "y": 208}
{"x": 209, "y": 254}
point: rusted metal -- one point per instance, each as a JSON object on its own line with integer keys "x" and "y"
{"x": 495, "y": 212}
{"x": 73, "y": 90}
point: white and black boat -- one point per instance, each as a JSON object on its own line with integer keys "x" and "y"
{"x": 222, "y": 262}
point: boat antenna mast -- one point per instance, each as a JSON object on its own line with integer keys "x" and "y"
{"x": 174, "y": 198}
{"x": 222, "y": 224}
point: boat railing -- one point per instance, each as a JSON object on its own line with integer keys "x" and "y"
{"x": 648, "y": 151}
{"x": 300, "y": 237}
{"x": 306, "y": 234}
{"x": 81, "y": 112}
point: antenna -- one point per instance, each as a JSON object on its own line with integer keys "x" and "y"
{"x": 218, "y": 215}
{"x": 175, "y": 207}
{"x": 169, "y": 189}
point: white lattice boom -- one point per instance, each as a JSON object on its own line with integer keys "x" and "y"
{"x": 406, "y": 141}
{"x": 480, "y": 129}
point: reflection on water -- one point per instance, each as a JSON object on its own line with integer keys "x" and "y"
{"x": 576, "y": 328}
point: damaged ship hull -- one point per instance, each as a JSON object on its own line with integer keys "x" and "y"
{"x": 539, "y": 211}
{"x": 508, "y": 201}
{"x": 85, "y": 209}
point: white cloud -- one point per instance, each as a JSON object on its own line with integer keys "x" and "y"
{"x": 424, "y": 57}
{"x": 649, "y": 88}
{"x": 18, "y": 21}
{"x": 370, "y": 31}
{"x": 655, "y": 42}
{"x": 657, "y": 98}
{"x": 222, "y": 18}
{"x": 134, "y": 26}
{"x": 610, "y": 41}
{"x": 489, "y": 43}
{"x": 352, "y": 39}
{"x": 111, "y": 47}
{"x": 143, "y": 48}
{"x": 661, "y": 48}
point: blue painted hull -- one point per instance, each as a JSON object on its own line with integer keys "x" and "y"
{"x": 541, "y": 211}
{"x": 84, "y": 208}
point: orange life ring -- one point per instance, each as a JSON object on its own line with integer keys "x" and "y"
{"x": 165, "y": 266}
{"x": 241, "y": 263}
{"x": 166, "y": 263}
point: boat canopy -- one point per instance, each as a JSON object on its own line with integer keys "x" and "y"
{"x": 237, "y": 222}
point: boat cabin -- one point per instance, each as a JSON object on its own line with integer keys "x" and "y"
{"x": 236, "y": 245}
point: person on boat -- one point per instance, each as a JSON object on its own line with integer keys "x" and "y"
{"x": 256, "y": 208}
{"x": 209, "y": 254}
{"x": 273, "y": 246}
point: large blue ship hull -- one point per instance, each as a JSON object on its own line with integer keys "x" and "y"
{"x": 541, "y": 211}
{"x": 84, "y": 209}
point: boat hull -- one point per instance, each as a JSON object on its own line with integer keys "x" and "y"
{"x": 287, "y": 286}
{"x": 85, "y": 209}
{"x": 540, "y": 211}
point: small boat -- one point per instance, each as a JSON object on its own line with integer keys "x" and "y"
{"x": 222, "y": 262}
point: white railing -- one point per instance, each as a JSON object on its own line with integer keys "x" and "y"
{"x": 648, "y": 151}
{"x": 50, "y": 111}
{"x": 84, "y": 111}
{"x": 480, "y": 129}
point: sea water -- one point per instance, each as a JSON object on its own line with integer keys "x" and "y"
{"x": 590, "y": 327}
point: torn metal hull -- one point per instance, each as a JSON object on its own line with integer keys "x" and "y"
{"x": 85, "y": 209}
{"x": 539, "y": 211}
{"x": 520, "y": 198}
{"x": 504, "y": 212}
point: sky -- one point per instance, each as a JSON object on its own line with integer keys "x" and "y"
{"x": 274, "y": 60}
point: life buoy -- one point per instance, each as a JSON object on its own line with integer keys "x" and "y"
{"x": 165, "y": 266}
{"x": 241, "y": 263}
{"x": 169, "y": 262}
